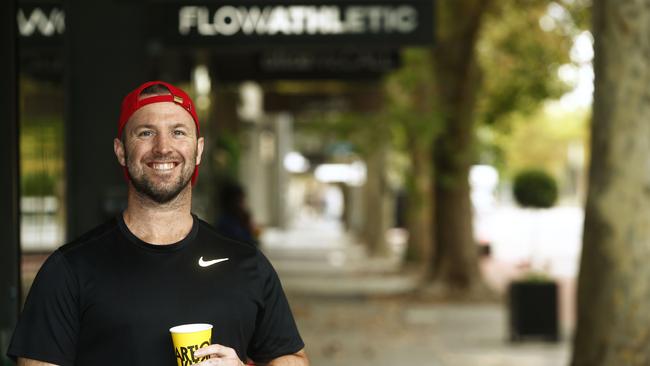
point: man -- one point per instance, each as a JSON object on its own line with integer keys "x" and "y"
{"x": 110, "y": 297}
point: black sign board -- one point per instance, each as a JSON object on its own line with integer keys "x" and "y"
{"x": 257, "y": 39}
{"x": 40, "y": 28}
{"x": 253, "y": 24}
{"x": 297, "y": 64}
{"x": 40, "y": 23}
{"x": 307, "y": 22}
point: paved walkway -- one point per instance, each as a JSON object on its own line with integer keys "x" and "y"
{"x": 349, "y": 331}
{"x": 355, "y": 310}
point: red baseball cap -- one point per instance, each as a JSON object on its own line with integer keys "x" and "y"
{"x": 132, "y": 102}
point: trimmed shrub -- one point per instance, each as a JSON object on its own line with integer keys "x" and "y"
{"x": 535, "y": 188}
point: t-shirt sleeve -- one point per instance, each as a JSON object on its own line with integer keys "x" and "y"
{"x": 48, "y": 327}
{"x": 276, "y": 333}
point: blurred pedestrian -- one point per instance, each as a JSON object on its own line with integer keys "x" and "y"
{"x": 235, "y": 220}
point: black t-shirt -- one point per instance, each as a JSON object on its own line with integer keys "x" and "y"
{"x": 108, "y": 298}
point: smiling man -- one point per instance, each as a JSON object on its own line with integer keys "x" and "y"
{"x": 110, "y": 297}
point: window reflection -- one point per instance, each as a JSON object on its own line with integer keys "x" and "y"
{"x": 42, "y": 165}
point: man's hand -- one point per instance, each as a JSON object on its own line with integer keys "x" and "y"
{"x": 225, "y": 356}
{"x": 29, "y": 362}
{"x": 219, "y": 355}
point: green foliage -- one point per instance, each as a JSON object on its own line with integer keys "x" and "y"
{"x": 227, "y": 153}
{"x": 364, "y": 131}
{"x": 408, "y": 118}
{"x": 41, "y": 155}
{"x": 536, "y": 277}
{"x": 520, "y": 59}
{"x": 580, "y": 12}
{"x": 543, "y": 139}
{"x": 42, "y": 166}
{"x": 37, "y": 184}
{"x": 41, "y": 145}
{"x": 521, "y": 47}
{"x": 411, "y": 107}
{"x": 535, "y": 188}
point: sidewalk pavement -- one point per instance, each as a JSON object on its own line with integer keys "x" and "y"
{"x": 370, "y": 319}
{"x": 384, "y": 332}
{"x": 353, "y": 309}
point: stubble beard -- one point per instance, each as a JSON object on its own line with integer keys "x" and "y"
{"x": 160, "y": 193}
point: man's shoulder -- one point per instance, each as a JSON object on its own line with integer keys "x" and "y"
{"x": 91, "y": 237}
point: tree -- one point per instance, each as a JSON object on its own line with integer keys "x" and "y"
{"x": 457, "y": 76}
{"x": 475, "y": 74}
{"x": 613, "y": 324}
{"x": 415, "y": 124}
{"x": 490, "y": 59}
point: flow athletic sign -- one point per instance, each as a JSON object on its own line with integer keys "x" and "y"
{"x": 381, "y": 22}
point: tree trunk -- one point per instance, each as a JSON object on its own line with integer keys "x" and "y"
{"x": 457, "y": 82}
{"x": 456, "y": 262}
{"x": 613, "y": 325}
{"x": 376, "y": 222}
{"x": 420, "y": 208}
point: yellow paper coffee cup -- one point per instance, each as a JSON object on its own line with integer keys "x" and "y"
{"x": 187, "y": 338}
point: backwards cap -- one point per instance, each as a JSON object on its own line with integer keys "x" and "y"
{"x": 132, "y": 102}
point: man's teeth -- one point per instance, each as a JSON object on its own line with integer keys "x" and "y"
{"x": 163, "y": 166}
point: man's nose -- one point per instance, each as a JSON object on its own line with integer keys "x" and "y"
{"x": 162, "y": 144}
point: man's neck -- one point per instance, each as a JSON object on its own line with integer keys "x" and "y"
{"x": 156, "y": 223}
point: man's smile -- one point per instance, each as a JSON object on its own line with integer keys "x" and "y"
{"x": 162, "y": 166}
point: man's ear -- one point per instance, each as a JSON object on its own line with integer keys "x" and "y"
{"x": 118, "y": 147}
{"x": 199, "y": 150}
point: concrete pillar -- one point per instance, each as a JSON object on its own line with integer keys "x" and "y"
{"x": 283, "y": 128}
{"x": 263, "y": 173}
{"x": 255, "y": 173}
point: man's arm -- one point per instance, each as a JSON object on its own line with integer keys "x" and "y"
{"x": 226, "y": 356}
{"x": 52, "y": 313}
{"x": 30, "y": 362}
{"x": 297, "y": 359}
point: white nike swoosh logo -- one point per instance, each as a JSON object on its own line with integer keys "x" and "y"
{"x": 203, "y": 263}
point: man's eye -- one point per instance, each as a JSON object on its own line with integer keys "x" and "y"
{"x": 146, "y": 133}
{"x": 179, "y": 133}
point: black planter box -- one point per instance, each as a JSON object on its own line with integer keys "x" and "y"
{"x": 533, "y": 310}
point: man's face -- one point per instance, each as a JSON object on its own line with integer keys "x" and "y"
{"x": 160, "y": 150}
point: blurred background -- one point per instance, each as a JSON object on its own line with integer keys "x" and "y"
{"x": 414, "y": 169}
